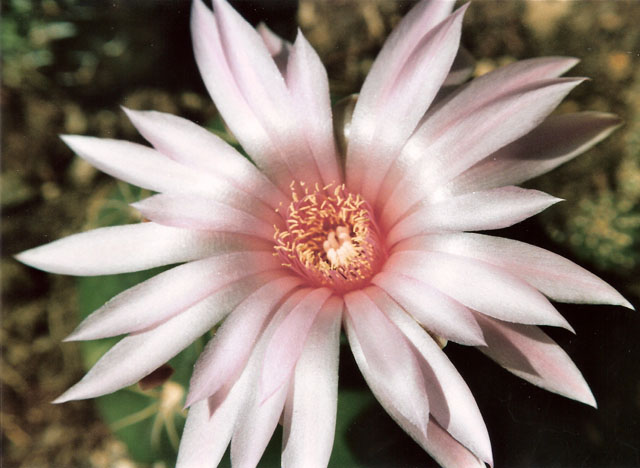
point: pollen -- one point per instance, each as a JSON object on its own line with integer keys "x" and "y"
{"x": 330, "y": 237}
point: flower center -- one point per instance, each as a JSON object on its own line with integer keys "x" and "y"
{"x": 330, "y": 237}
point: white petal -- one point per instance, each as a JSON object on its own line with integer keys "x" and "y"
{"x": 379, "y": 347}
{"x": 309, "y": 86}
{"x": 397, "y": 92}
{"x": 259, "y": 418}
{"x": 451, "y": 401}
{"x": 309, "y": 418}
{"x": 529, "y": 353}
{"x": 143, "y": 166}
{"x": 230, "y": 101}
{"x": 205, "y": 436}
{"x": 211, "y": 423}
{"x": 461, "y": 69}
{"x": 553, "y": 275}
{"x": 195, "y": 146}
{"x": 134, "y": 247}
{"x": 554, "y": 142}
{"x": 264, "y": 89}
{"x": 479, "y": 92}
{"x": 227, "y": 353}
{"x": 168, "y": 293}
{"x": 277, "y": 47}
{"x": 477, "y": 211}
{"x": 288, "y": 342}
{"x": 201, "y": 213}
{"x": 139, "y": 354}
{"x": 436, "y": 311}
{"x": 480, "y": 286}
{"x": 447, "y": 451}
{"x": 463, "y": 133}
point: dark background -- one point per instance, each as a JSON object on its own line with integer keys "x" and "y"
{"x": 69, "y": 65}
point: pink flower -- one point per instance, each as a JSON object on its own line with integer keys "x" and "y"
{"x": 294, "y": 246}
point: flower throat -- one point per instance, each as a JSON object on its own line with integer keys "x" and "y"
{"x": 330, "y": 237}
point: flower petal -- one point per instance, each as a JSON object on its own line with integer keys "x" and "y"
{"x": 201, "y": 213}
{"x": 208, "y": 432}
{"x": 401, "y": 85}
{"x": 479, "y": 92}
{"x": 461, "y": 69}
{"x": 143, "y": 166}
{"x": 447, "y": 451}
{"x": 288, "y": 342}
{"x": 264, "y": 89}
{"x": 228, "y": 351}
{"x": 194, "y": 146}
{"x": 557, "y": 140}
{"x": 529, "y": 353}
{"x": 205, "y": 437}
{"x": 553, "y": 275}
{"x": 476, "y": 211}
{"x": 435, "y": 311}
{"x": 169, "y": 293}
{"x": 259, "y": 418}
{"x": 133, "y": 247}
{"x": 277, "y": 47}
{"x": 139, "y": 354}
{"x": 309, "y": 417}
{"x": 451, "y": 401}
{"x": 309, "y": 86}
{"x": 230, "y": 101}
{"x": 478, "y": 285}
{"x": 379, "y": 347}
{"x": 471, "y": 133}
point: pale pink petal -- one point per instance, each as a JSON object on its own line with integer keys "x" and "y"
{"x": 461, "y": 69}
{"x": 386, "y": 360}
{"x": 134, "y": 247}
{"x": 277, "y": 47}
{"x": 257, "y": 355}
{"x": 255, "y": 427}
{"x": 553, "y": 275}
{"x": 192, "y": 145}
{"x": 228, "y": 351}
{"x": 259, "y": 418}
{"x": 506, "y": 79}
{"x": 137, "y": 355}
{"x": 205, "y": 437}
{"x": 230, "y": 101}
{"x": 213, "y": 422}
{"x": 529, "y": 353}
{"x": 447, "y": 451}
{"x": 389, "y": 64}
{"x": 309, "y": 86}
{"x": 265, "y": 90}
{"x": 476, "y": 211}
{"x": 288, "y": 342}
{"x": 392, "y": 101}
{"x": 479, "y": 92}
{"x": 471, "y": 132}
{"x": 309, "y": 417}
{"x": 557, "y": 140}
{"x": 436, "y": 311}
{"x": 451, "y": 401}
{"x": 201, "y": 213}
{"x": 168, "y": 293}
{"x": 142, "y": 166}
{"x": 480, "y": 286}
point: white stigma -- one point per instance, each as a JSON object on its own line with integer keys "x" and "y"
{"x": 338, "y": 247}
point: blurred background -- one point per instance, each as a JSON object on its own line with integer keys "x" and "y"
{"x": 67, "y": 66}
